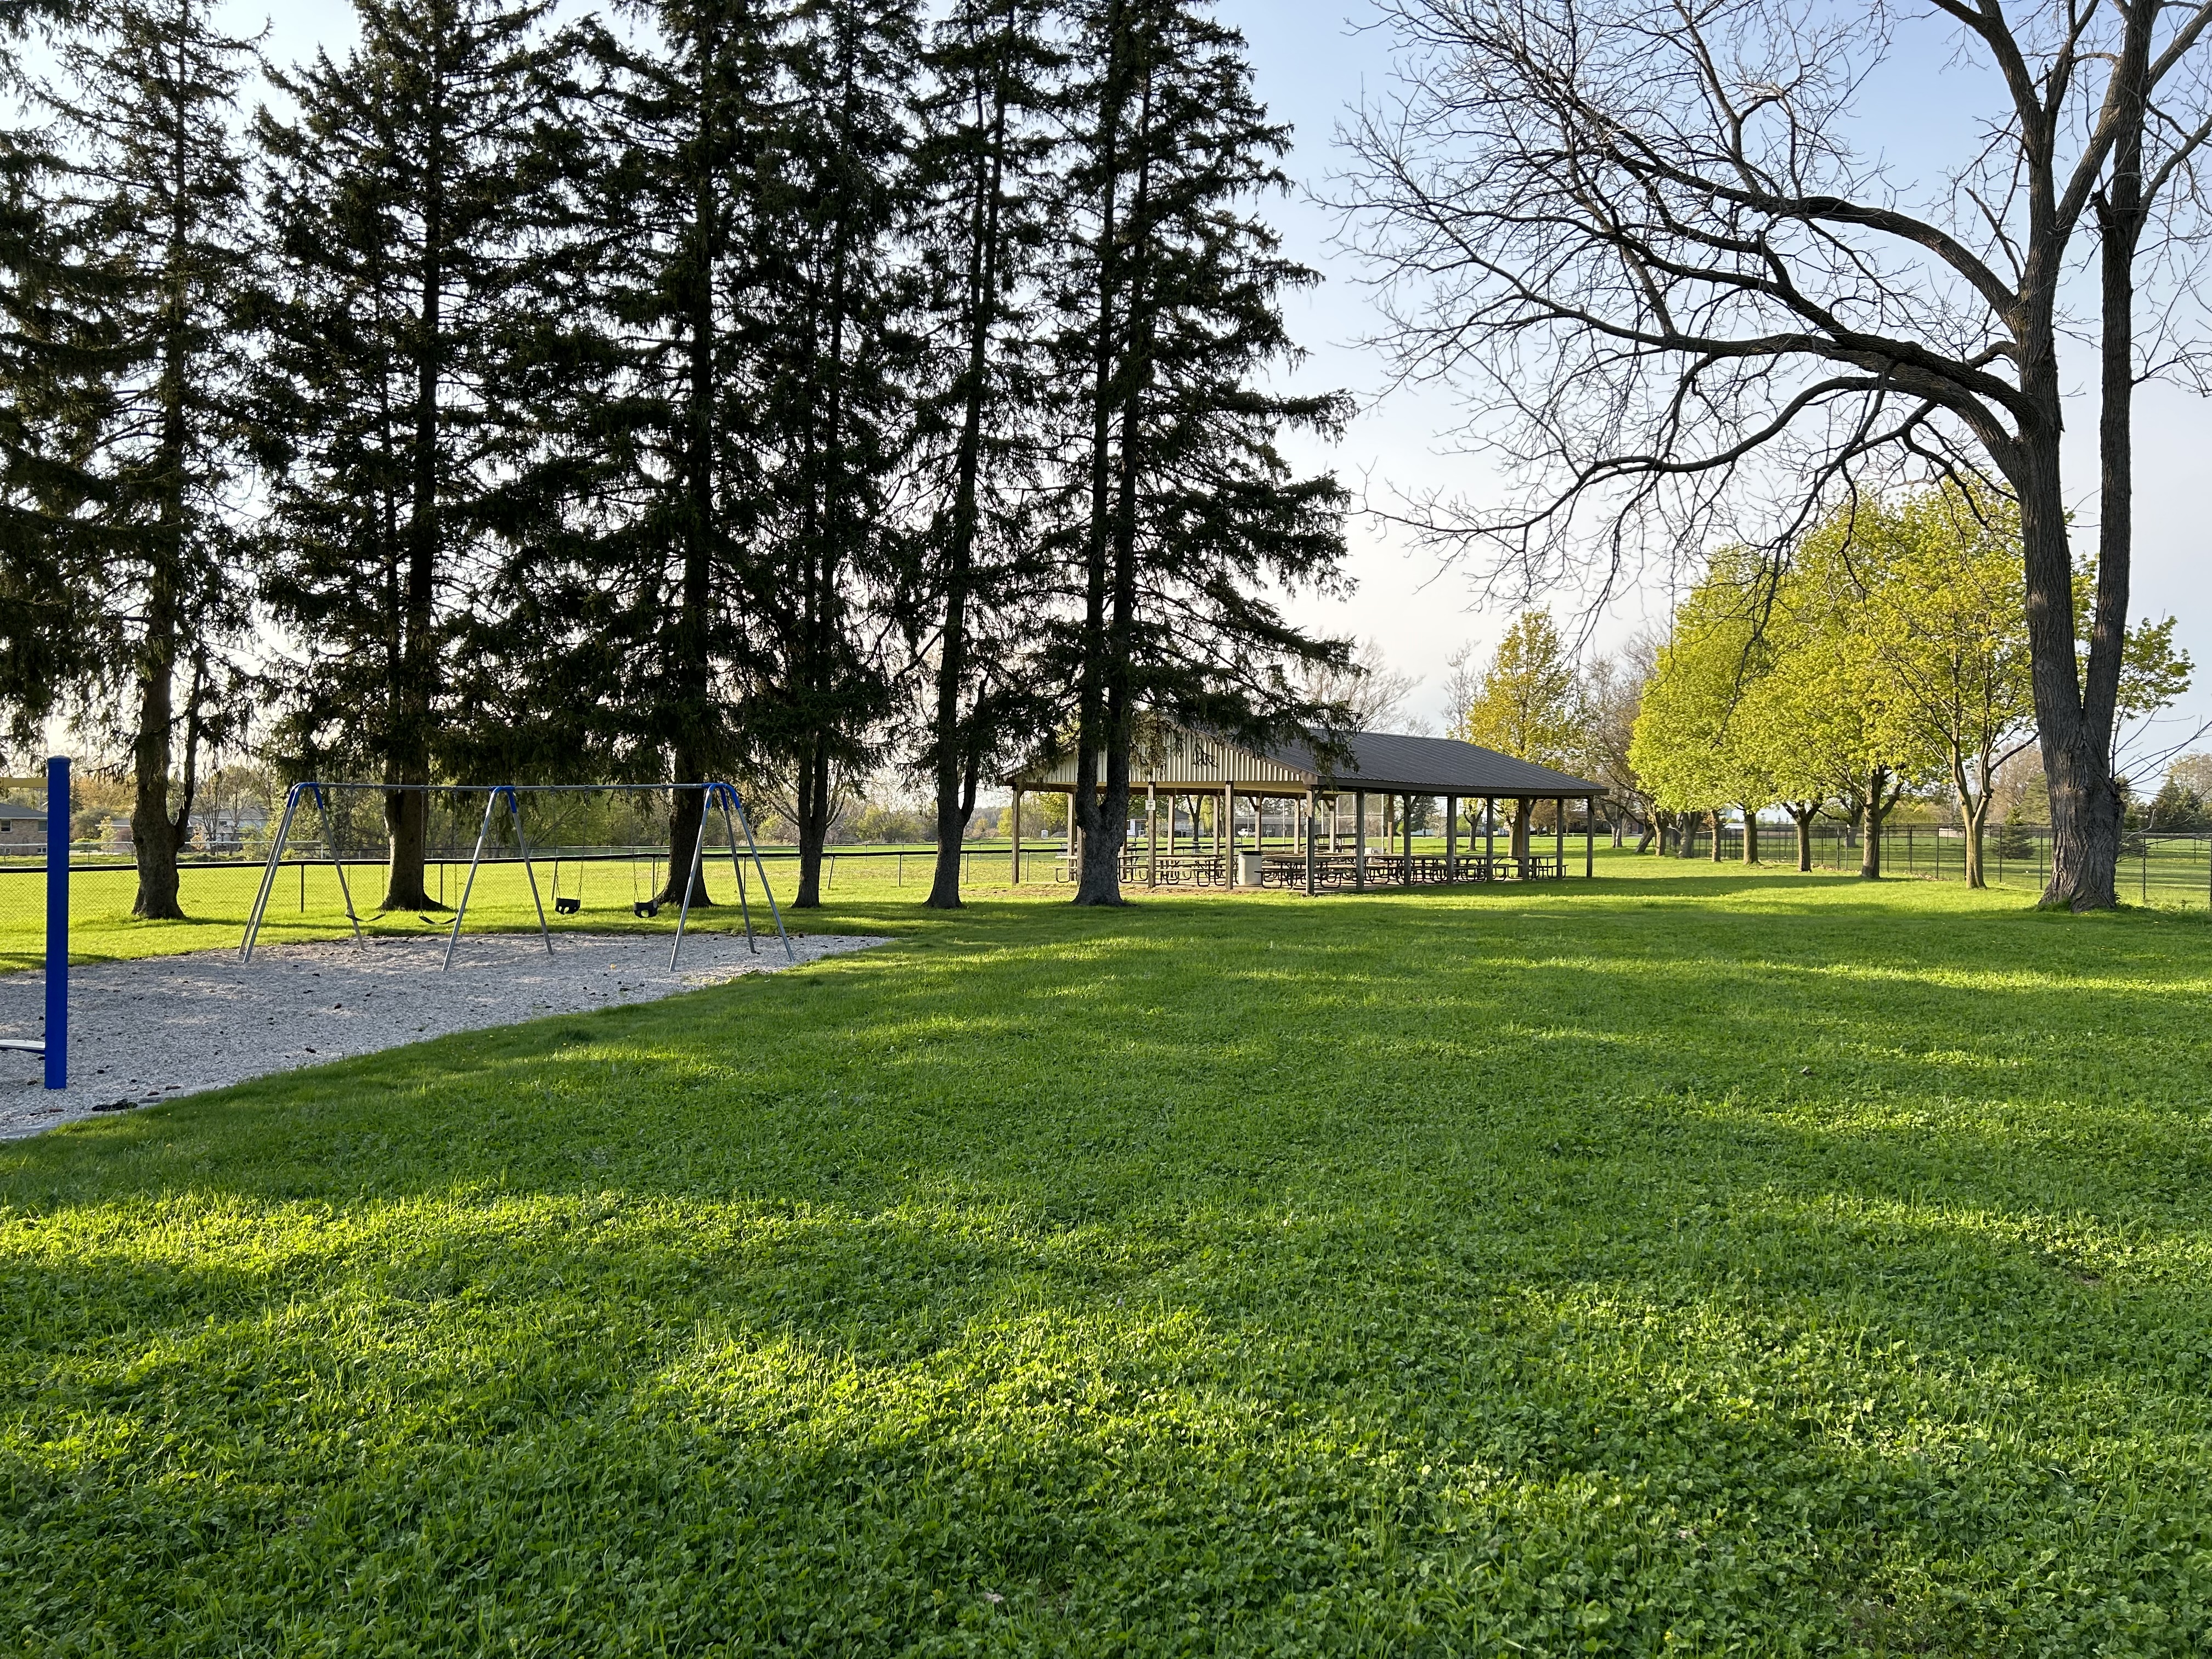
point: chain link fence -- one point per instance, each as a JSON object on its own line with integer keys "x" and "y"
{"x": 583, "y": 882}
{"x": 2172, "y": 869}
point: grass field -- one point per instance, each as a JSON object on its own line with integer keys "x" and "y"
{"x": 1697, "y": 1261}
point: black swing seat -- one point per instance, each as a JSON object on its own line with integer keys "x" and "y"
{"x": 566, "y": 907}
{"x": 645, "y": 907}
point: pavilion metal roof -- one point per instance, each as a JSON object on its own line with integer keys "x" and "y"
{"x": 1390, "y": 761}
{"x": 1168, "y": 756}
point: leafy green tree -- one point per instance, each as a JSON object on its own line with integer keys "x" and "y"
{"x": 398, "y": 212}
{"x": 1911, "y": 627}
{"x": 1695, "y": 743}
{"x": 1946, "y": 613}
{"x": 1771, "y": 690}
{"x": 2155, "y": 674}
{"x": 157, "y": 182}
{"x": 1527, "y": 703}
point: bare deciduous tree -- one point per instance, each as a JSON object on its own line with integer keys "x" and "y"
{"x": 1370, "y": 692}
{"x": 1638, "y": 232}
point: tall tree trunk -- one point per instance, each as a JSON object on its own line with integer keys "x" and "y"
{"x": 1524, "y": 812}
{"x": 1975, "y": 823}
{"x": 955, "y": 804}
{"x": 814, "y": 822}
{"x": 1873, "y": 809}
{"x": 2076, "y": 707}
{"x": 406, "y": 809}
{"x": 1974, "y": 798}
{"x": 687, "y": 660}
{"x": 152, "y": 843}
{"x": 1099, "y": 880}
{"x": 1102, "y": 863}
{"x": 1750, "y": 835}
{"x": 1803, "y": 817}
{"x": 826, "y": 540}
{"x": 155, "y": 837}
{"x": 2077, "y": 719}
{"x": 1719, "y": 854}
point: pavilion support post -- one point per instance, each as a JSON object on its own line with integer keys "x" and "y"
{"x": 1451, "y": 838}
{"x": 1559, "y": 833}
{"x": 1151, "y": 836}
{"x": 1406, "y": 815}
{"x": 1490, "y": 837}
{"x": 1589, "y": 837}
{"x": 1224, "y": 834}
{"x": 1311, "y": 805}
{"x": 1071, "y": 870}
{"x": 1359, "y": 841}
{"x": 1016, "y": 878}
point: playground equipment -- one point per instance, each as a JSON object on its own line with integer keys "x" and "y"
{"x": 521, "y": 825}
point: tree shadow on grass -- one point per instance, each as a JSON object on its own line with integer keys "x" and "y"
{"x": 1245, "y": 1271}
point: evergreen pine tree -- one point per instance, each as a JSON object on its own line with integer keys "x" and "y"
{"x": 1184, "y": 514}
{"x": 401, "y": 215}
{"x": 619, "y": 609}
{"x": 982, "y": 168}
{"x": 828, "y": 338}
{"x": 156, "y": 186}
{"x": 51, "y": 405}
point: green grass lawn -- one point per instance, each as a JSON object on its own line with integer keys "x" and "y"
{"x": 1695, "y": 1262}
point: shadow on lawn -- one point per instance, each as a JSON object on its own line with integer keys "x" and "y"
{"x": 1202, "y": 1262}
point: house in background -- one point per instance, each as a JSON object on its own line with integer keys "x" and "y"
{"x": 22, "y": 830}
{"x": 221, "y": 831}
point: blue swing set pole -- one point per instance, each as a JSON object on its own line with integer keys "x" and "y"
{"x": 57, "y": 898}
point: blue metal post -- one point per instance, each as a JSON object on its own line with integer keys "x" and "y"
{"x": 57, "y": 930}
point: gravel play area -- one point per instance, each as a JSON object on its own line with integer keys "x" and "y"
{"x": 164, "y": 1026}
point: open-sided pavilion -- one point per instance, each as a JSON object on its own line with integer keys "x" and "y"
{"x": 1318, "y": 845}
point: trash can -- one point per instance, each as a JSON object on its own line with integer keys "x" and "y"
{"x": 1247, "y": 869}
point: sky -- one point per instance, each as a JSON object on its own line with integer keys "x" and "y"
{"x": 1312, "y": 60}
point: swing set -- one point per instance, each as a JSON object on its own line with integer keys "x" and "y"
{"x": 503, "y": 808}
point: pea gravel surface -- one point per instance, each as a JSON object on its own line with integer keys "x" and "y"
{"x": 160, "y": 1027}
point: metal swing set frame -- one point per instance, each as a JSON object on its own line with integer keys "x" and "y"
{"x": 718, "y": 795}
